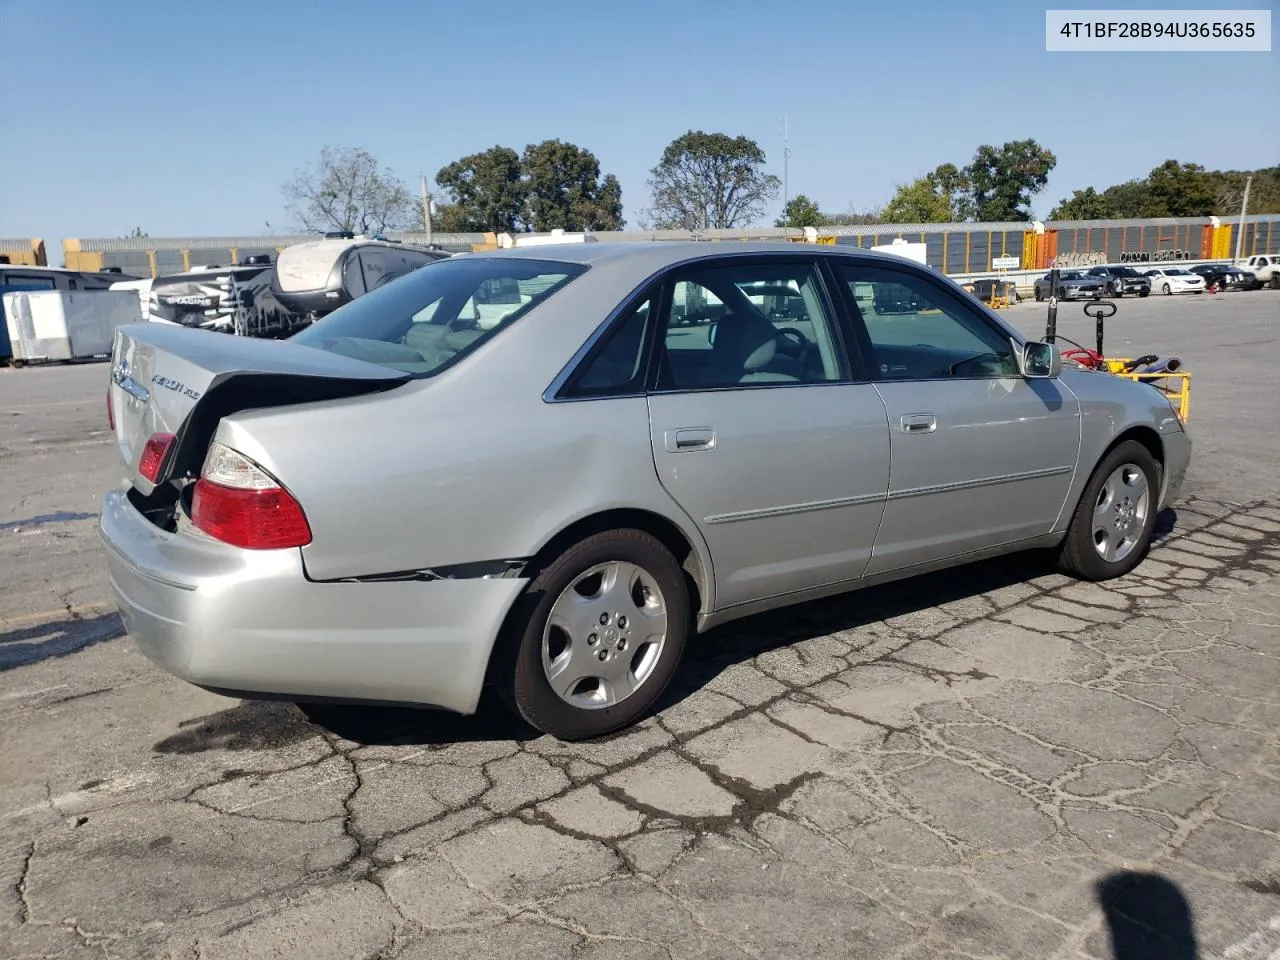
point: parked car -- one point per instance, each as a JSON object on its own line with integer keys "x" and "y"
{"x": 1072, "y": 285}
{"x": 1170, "y": 280}
{"x": 399, "y": 505}
{"x": 1226, "y": 276}
{"x": 1266, "y": 269}
{"x": 1119, "y": 280}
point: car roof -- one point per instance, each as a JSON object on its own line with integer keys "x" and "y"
{"x": 657, "y": 254}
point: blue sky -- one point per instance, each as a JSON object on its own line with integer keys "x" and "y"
{"x": 186, "y": 118}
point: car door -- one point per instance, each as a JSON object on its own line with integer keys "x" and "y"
{"x": 764, "y": 429}
{"x": 981, "y": 456}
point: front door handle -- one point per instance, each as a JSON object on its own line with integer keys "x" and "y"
{"x": 688, "y": 439}
{"x": 918, "y": 423}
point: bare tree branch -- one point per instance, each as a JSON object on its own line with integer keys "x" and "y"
{"x": 710, "y": 180}
{"x": 347, "y": 190}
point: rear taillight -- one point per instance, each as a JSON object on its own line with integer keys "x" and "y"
{"x": 111, "y": 413}
{"x": 239, "y": 503}
{"x": 153, "y": 455}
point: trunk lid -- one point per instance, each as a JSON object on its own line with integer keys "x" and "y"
{"x": 170, "y": 379}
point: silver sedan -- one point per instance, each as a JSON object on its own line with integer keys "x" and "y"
{"x": 548, "y": 469}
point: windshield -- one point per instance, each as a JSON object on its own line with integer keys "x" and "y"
{"x": 430, "y": 318}
{"x": 1124, "y": 271}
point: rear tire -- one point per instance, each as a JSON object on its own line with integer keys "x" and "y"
{"x": 1166, "y": 290}
{"x": 1110, "y": 530}
{"x": 612, "y": 611}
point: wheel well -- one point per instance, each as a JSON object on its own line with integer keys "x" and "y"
{"x": 1149, "y": 439}
{"x": 667, "y": 533}
{"x": 1145, "y": 436}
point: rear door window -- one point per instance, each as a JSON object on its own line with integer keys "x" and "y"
{"x": 754, "y": 324}
{"x": 618, "y": 367}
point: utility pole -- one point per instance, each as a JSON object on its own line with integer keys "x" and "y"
{"x": 1244, "y": 206}
{"x": 786, "y": 156}
{"x": 426, "y": 209}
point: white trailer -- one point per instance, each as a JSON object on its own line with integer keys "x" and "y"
{"x": 66, "y": 325}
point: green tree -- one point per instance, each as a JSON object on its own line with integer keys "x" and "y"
{"x": 1002, "y": 180}
{"x": 938, "y": 197}
{"x": 1125, "y": 200}
{"x": 800, "y": 211}
{"x": 1178, "y": 190}
{"x": 450, "y": 218}
{"x": 347, "y": 190}
{"x": 563, "y": 189}
{"x": 709, "y": 181}
{"x": 1086, "y": 204}
{"x": 857, "y": 218}
{"x": 138, "y": 234}
{"x": 1228, "y": 186}
{"x": 488, "y": 190}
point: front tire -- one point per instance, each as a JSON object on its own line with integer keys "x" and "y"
{"x": 597, "y": 636}
{"x": 1110, "y": 530}
{"x": 1166, "y": 290}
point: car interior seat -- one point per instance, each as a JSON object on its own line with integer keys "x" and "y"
{"x": 746, "y": 351}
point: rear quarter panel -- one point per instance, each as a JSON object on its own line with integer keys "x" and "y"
{"x": 413, "y": 479}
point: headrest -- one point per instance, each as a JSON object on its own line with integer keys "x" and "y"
{"x": 745, "y": 340}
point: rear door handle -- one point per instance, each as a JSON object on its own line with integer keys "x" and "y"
{"x": 918, "y": 423}
{"x": 688, "y": 439}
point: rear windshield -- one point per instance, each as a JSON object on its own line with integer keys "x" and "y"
{"x": 434, "y": 316}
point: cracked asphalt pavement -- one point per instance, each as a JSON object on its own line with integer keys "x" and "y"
{"x": 991, "y": 762}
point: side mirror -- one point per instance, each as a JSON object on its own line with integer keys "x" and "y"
{"x": 711, "y": 332}
{"x": 1040, "y": 361}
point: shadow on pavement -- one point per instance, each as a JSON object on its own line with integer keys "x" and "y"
{"x": 1148, "y": 917}
{"x": 741, "y": 640}
{"x": 707, "y": 656}
{"x": 56, "y": 639}
{"x": 270, "y": 724}
{"x": 414, "y": 726}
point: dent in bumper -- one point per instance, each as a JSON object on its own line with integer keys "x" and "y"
{"x": 250, "y": 620}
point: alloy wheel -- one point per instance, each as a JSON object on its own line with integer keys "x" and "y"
{"x": 1120, "y": 514}
{"x": 605, "y": 635}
